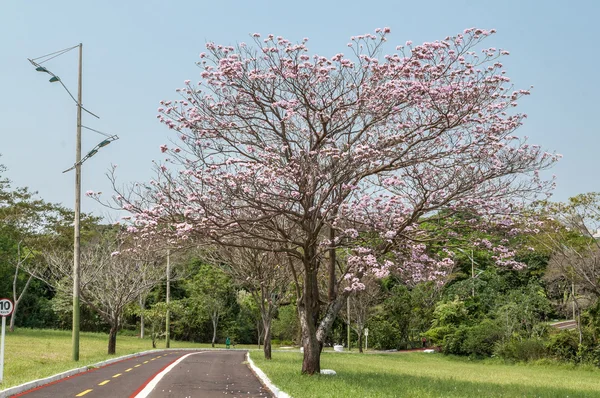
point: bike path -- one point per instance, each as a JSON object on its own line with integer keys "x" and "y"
{"x": 183, "y": 373}
{"x": 210, "y": 374}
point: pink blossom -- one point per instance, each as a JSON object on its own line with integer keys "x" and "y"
{"x": 293, "y": 152}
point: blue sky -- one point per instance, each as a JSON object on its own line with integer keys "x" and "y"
{"x": 137, "y": 52}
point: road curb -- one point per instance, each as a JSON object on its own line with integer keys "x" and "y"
{"x": 265, "y": 380}
{"x": 51, "y": 379}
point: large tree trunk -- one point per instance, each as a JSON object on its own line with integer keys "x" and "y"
{"x": 313, "y": 332}
{"x": 112, "y": 340}
{"x": 360, "y": 343}
{"x": 308, "y": 309}
{"x": 311, "y": 362}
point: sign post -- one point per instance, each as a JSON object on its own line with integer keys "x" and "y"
{"x": 6, "y": 308}
{"x": 366, "y": 339}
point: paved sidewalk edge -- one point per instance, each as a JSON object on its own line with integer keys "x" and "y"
{"x": 40, "y": 382}
{"x": 265, "y": 380}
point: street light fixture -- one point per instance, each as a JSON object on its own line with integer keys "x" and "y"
{"x": 93, "y": 151}
{"x": 77, "y": 167}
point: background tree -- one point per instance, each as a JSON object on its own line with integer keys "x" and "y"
{"x": 155, "y": 316}
{"x": 111, "y": 278}
{"x": 263, "y": 274}
{"x": 249, "y": 311}
{"x": 570, "y": 235}
{"x": 362, "y": 309}
{"x": 26, "y": 226}
{"x": 210, "y": 294}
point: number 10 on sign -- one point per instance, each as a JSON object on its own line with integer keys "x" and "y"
{"x": 6, "y": 308}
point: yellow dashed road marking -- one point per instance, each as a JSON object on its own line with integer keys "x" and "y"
{"x": 146, "y": 361}
{"x": 128, "y": 370}
{"x": 117, "y": 375}
{"x": 104, "y": 382}
{"x": 81, "y": 394}
{"x": 137, "y": 366}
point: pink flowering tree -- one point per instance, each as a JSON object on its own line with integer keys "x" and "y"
{"x": 335, "y": 161}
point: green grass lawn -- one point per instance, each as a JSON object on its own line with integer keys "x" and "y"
{"x": 32, "y": 354}
{"x": 415, "y": 375}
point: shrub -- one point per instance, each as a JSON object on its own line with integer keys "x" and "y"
{"x": 521, "y": 350}
{"x": 478, "y": 340}
{"x": 450, "y": 313}
{"x": 437, "y": 335}
{"x": 453, "y": 342}
{"x": 481, "y": 339}
{"x": 383, "y": 335}
{"x": 564, "y": 345}
{"x": 589, "y": 354}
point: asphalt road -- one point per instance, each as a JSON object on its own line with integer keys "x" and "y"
{"x": 162, "y": 374}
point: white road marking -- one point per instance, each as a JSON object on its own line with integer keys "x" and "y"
{"x": 150, "y": 386}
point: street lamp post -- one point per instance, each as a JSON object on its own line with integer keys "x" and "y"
{"x": 76, "y": 224}
{"x": 77, "y": 166}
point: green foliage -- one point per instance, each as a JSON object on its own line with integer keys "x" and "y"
{"x": 397, "y": 309}
{"x": 521, "y": 350}
{"x": 521, "y": 310}
{"x": 437, "y": 335}
{"x": 383, "y": 334}
{"x": 564, "y": 345}
{"x": 62, "y": 307}
{"x": 423, "y": 298}
{"x": 247, "y": 320}
{"x": 35, "y": 310}
{"x": 478, "y": 340}
{"x": 403, "y": 315}
{"x": 589, "y": 353}
{"x": 504, "y": 317}
{"x": 481, "y": 339}
{"x": 210, "y": 301}
{"x": 285, "y": 326}
{"x": 450, "y": 313}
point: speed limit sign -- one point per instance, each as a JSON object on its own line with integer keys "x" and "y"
{"x": 6, "y": 307}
